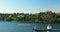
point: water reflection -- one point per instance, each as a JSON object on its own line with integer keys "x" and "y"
{"x": 44, "y": 31}
{"x": 48, "y": 31}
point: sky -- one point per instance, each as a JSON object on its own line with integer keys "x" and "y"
{"x": 29, "y": 6}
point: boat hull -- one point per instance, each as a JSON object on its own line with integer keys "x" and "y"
{"x": 35, "y": 30}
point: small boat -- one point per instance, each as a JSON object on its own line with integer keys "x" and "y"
{"x": 49, "y": 28}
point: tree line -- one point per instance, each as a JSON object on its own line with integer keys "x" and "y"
{"x": 41, "y": 17}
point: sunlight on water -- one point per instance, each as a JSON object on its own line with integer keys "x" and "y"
{"x": 23, "y": 24}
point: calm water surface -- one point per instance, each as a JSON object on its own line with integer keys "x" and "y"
{"x": 25, "y": 27}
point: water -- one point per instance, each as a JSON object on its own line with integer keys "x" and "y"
{"x": 25, "y": 27}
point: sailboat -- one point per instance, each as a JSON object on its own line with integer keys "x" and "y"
{"x": 49, "y": 27}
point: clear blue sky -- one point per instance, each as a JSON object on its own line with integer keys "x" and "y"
{"x": 29, "y": 6}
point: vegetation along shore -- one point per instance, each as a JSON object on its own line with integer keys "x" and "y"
{"x": 42, "y": 17}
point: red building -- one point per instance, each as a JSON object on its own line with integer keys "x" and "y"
{"x": 48, "y": 12}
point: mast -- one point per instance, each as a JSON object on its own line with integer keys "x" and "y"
{"x": 34, "y": 25}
